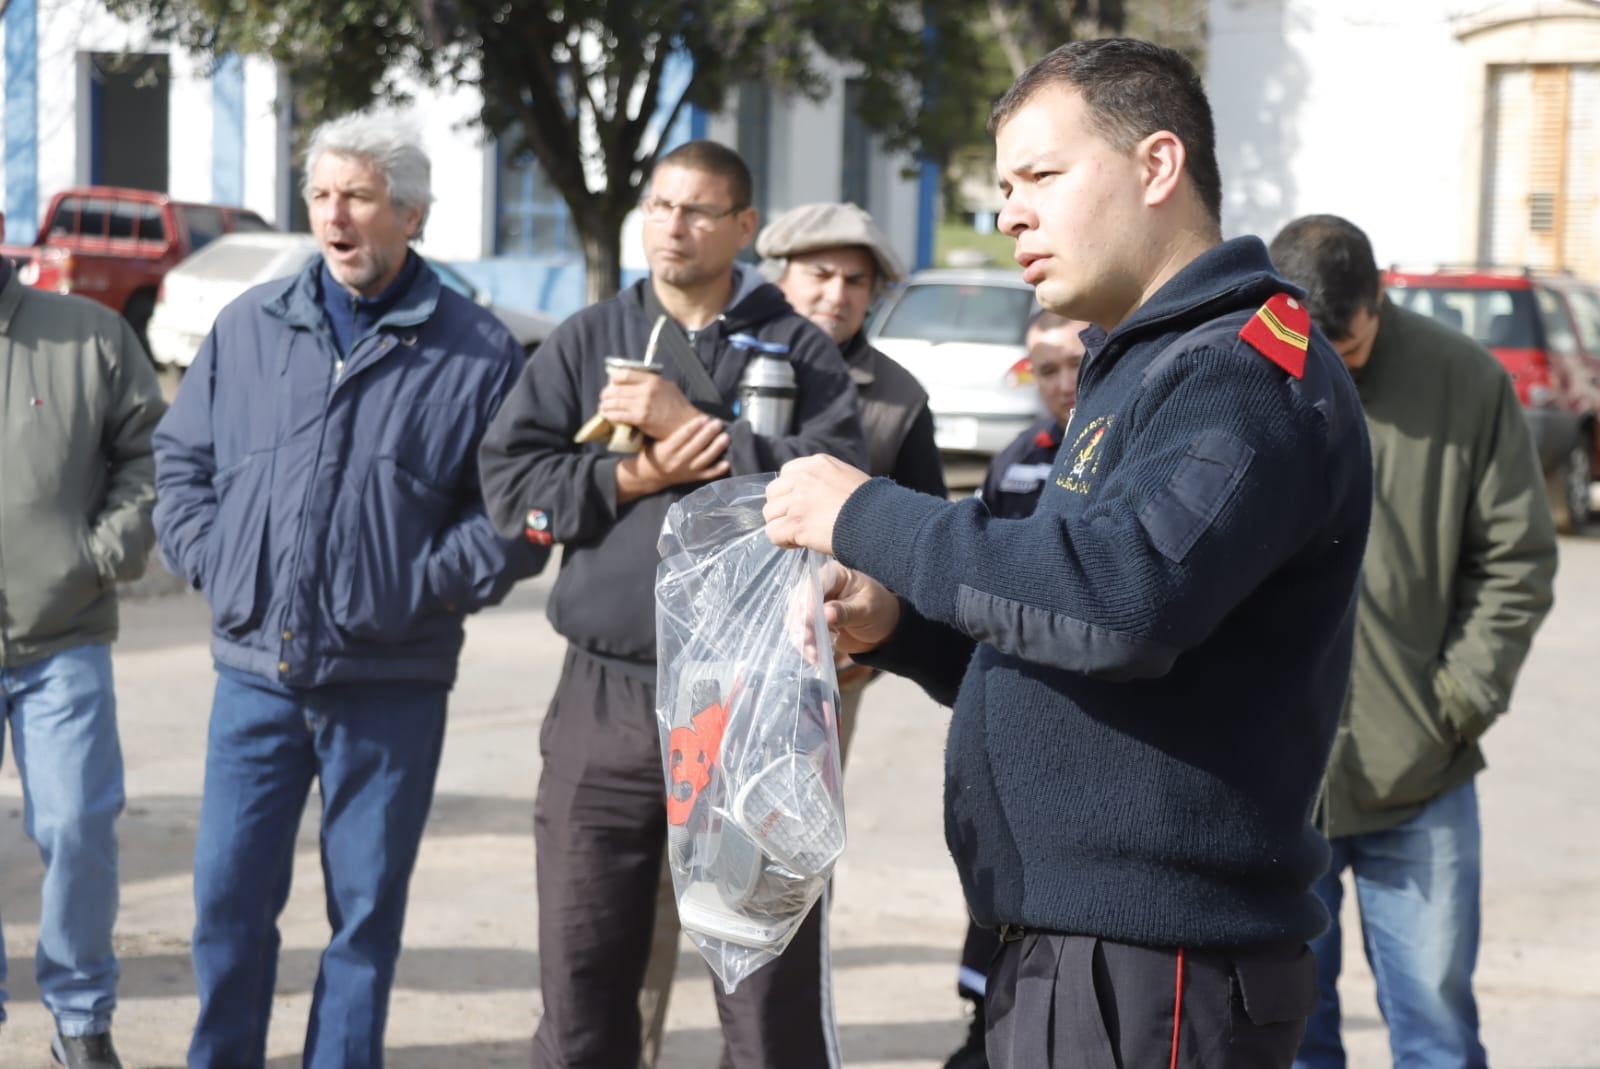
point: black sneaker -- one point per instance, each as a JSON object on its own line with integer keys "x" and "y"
{"x": 971, "y": 1054}
{"x": 85, "y": 1052}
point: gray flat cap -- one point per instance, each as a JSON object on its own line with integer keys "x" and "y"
{"x": 832, "y": 225}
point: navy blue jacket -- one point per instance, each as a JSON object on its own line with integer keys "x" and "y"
{"x": 334, "y": 519}
{"x": 1017, "y": 475}
{"x": 1148, "y": 672}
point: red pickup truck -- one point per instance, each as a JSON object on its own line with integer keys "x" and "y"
{"x": 1545, "y": 328}
{"x": 115, "y": 245}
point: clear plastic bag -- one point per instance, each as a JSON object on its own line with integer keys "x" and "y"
{"x": 749, "y": 728}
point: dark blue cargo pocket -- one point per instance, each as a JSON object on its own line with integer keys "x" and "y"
{"x": 1207, "y": 476}
{"x": 238, "y": 592}
{"x": 380, "y": 554}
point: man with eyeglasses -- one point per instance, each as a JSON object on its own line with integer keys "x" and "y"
{"x": 600, "y": 810}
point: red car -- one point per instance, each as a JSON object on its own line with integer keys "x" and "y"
{"x": 115, "y": 245}
{"x": 1545, "y": 329}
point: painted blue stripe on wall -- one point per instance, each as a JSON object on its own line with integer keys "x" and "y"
{"x": 22, "y": 122}
{"x": 227, "y": 130}
{"x": 97, "y": 139}
{"x": 927, "y": 201}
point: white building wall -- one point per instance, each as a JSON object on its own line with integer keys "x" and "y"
{"x": 69, "y": 31}
{"x": 66, "y": 30}
{"x": 1351, "y": 107}
{"x": 809, "y": 159}
{"x": 189, "y": 128}
{"x": 266, "y": 142}
{"x": 807, "y": 162}
{"x": 806, "y": 141}
{"x": 456, "y": 146}
{"x": 896, "y": 205}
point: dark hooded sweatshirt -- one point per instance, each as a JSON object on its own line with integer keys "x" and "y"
{"x": 1147, "y": 672}
{"x": 604, "y": 597}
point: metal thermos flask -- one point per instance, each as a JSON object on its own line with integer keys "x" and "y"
{"x": 766, "y": 393}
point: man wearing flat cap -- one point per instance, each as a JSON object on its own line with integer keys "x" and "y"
{"x": 830, "y": 260}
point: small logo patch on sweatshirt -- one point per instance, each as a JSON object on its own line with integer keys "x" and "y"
{"x": 1086, "y": 455}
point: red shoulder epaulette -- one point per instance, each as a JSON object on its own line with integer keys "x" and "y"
{"x": 1280, "y": 331}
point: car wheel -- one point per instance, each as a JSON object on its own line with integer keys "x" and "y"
{"x": 1569, "y": 489}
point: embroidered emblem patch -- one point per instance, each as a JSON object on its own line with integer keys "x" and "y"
{"x": 536, "y": 528}
{"x": 1086, "y": 456}
{"x": 1281, "y": 331}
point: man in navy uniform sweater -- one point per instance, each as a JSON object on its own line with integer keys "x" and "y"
{"x": 1017, "y": 475}
{"x": 1147, "y": 672}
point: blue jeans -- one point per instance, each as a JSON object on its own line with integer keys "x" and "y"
{"x": 374, "y": 749}
{"x": 63, "y": 716}
{"x": 1417, "y": 887}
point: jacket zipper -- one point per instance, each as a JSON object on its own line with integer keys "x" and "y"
{"x": 320, "y": 336}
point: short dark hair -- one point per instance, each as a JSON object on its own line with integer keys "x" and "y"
{"x": 1133, "y": 89}
{"x": 1331, "y": 259}
{"x": 1044, "y": 319}
{"x": 713, "y": 157}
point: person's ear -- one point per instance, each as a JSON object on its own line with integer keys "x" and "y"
{"x": 749, "y": 221}
{"x": 1161, "y": 158}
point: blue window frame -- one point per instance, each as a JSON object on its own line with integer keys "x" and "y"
{"x": 531, "y": 218}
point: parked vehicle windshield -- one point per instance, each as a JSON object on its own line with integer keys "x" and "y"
{"x": 1497, "y": 318}
{"x": 951, "y": 312}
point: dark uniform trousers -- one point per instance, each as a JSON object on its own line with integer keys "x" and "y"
{"x": 1078, "y": 1002}
{"x": 599, "y": 838}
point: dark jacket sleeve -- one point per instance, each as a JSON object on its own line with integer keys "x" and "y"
{"x": 528, "y": 459}
{"x": 186, "y": 469}
{"x": 122, "y": 533}
{"x": 473, "y": 566}
{"x": 918, "y": 466}
{"x": 827, "y": 417}
{"x": 1505, "y": 578}
{"x": 1205, "y": 502}
{"x": 930, "y": 654}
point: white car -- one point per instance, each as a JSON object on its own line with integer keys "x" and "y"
{"x": 960, "y": 333}
{"x": 200, "y": 286}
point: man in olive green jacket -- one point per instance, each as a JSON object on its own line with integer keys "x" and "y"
{"x": 78, "y": 403}
{"x": 1459, "y": 567}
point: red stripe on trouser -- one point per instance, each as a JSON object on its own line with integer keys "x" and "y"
{"x": 1177, "y": 1011}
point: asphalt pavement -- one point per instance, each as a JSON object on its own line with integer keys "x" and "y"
{"x": 467, "y": 996}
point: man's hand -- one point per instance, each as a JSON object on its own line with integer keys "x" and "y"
{"x": 647, "y": 401}
{"x": 691, "y": 454}
{"x": 858, "y": 612}
{"x": 861, "y": 613}
{"x": 804, "y": 501}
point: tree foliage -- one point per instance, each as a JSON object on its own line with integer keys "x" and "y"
{"x": 582, "y": 83}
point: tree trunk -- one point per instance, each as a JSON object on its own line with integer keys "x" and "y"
{"x": 602, "y": 256}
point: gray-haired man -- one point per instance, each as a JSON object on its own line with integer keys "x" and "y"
{"x": 318, "y": 480}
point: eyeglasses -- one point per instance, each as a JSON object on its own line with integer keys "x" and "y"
{"x": 697, "y": 216}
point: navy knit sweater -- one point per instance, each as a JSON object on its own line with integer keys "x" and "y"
{"x": 1155, "y": 661}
